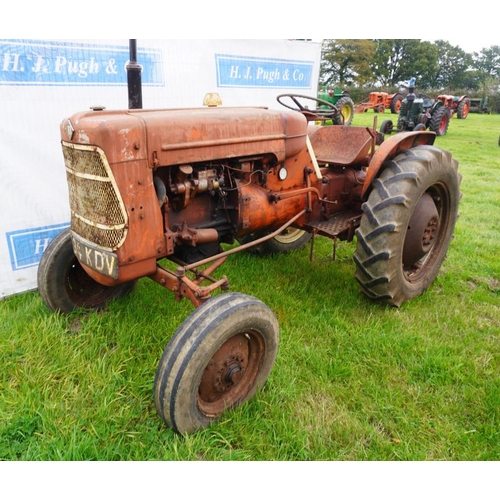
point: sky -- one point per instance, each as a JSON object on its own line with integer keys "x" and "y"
{"x": 472, "y": 30}
{"x": 472, "y": 44}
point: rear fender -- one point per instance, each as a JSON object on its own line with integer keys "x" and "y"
{"x": 389, "y": 148}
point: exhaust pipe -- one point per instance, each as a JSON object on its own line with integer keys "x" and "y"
{"x": 134, "y": 82}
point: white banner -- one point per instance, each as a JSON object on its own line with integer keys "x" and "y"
{"x": 44, "y": 81}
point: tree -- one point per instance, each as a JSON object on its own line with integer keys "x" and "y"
{"x": 488, "y": 61}
{"x": 346, "y": 62}
{"x": 397, "y": 60}
{"x": 388, "y": 63}
{"x": 453, "y": 67}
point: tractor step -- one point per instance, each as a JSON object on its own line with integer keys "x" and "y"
{"x": 340, "y": 224}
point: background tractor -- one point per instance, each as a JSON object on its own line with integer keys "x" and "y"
{"x": 344, "y": 103}
{"x": 459, "y": 105}
{"x": 478, "y": 105}
{"x": 379, "y": 102}
{"x": 419, "y": 113}
{"x": 170, "y": 194}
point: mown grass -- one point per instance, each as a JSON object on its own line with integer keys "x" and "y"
{"x": 353, "y": 380}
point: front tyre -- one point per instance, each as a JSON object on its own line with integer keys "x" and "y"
{"x": 387, "y": 127}
{"x": 407, "y": 225}
{"x": 63, "y": 284}
{"x": 217, "y": 359}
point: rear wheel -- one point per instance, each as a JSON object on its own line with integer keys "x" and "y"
{"x": 407, "y": 225}
{"x": 63, "y": 284}
{"x": 463, "y": 109}
{"x": 440, "y": 121}
{"x": 290, "y": 239}
{"x": 218, "y": 359}
{"x": 345, "y": 116}
{"x": 396, "y": 103}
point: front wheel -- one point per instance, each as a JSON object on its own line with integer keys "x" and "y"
{"x": 64, "y": 285}
{"x": 407, "y": 225}
{"x": 387, "y": 127}
{"x": 217, "y": 359}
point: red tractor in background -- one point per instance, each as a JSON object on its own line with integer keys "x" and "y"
{"x": 457, "y": 105}
{"x": 379, "y": 102}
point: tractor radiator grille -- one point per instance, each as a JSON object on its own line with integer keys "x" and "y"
{"x": 97, "y": 210}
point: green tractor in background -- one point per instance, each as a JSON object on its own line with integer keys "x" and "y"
{"x": 342, "y": 100}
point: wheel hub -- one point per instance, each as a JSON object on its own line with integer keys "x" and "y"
{"x": 233, "y": 374}
{"x": 225, "y": 370}
{"x": 421, "y": 232}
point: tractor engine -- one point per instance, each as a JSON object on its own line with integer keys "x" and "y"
{"x": 144, "y": 185}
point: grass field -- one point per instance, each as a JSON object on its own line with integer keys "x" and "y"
{"x": 353, "y": 380}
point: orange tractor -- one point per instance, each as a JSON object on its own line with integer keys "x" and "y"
{"x": 379, "y": 102}
{"x": 459, "y": 105}
{"x": 158, "y": 194}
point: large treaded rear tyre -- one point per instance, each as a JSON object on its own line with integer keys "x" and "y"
{"x": 463, "y": 109}
{"x": 345, "y": 115}
{"x": 63, "y": 284}
{"x": 440, "y": 121}
{"x": 407, "y": 225}
{"x": 396, "y": 103}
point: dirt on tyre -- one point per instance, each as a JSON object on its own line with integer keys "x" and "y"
{"x": 64, "y": 285}
{"x": 219, "y": 357}
{"x": 407, "y": 225}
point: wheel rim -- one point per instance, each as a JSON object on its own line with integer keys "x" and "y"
{"x": 443, "y": 123}
{"x": 346, "y": 113}
{"x": 290, "y": 235}
{"x": 465, "y": 111}
{"x": 425, "y": 234}
{"x": 231, "y": 373}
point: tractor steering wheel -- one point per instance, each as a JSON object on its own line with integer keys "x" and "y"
{"x": 310, "y": 113}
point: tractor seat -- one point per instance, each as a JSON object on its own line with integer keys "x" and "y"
{"x": 341, "y": 145}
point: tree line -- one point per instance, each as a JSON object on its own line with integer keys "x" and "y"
{"x": 389, "y": 64}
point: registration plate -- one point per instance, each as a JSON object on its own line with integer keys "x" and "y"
{"x": 99, "y": 260}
